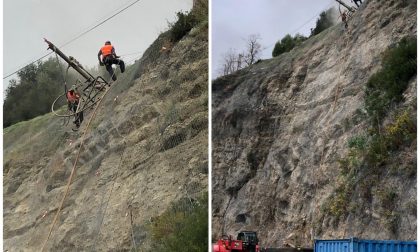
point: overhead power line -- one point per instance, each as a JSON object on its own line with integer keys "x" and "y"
{"x": 77, "y": 37}
{"x": 300, "y": 27}
{"x": 83, "y": 33}
{"x": 27, "y": 65}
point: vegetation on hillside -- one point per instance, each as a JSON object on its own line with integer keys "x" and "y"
{"x": 385, "y": 88}
{"x": 287, "y": 43}
{"x": 182, "y": 226}
{"x": 188, "y": 20}
{"x": 376, "y": 150}
{"x": 38, "y": 84}
{"x": 324, "y": 21}
{"x": 34, "y": 91}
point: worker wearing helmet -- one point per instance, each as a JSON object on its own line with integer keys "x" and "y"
{"x": 73, "y": 102}
{"x": 107, "y": 57}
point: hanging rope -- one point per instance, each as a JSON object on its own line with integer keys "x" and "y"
{"x": 73, "y": 171}
{"x": 337, "y": 91}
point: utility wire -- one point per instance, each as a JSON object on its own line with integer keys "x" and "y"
{"x": 83, "y": 33}
{"x": 27, "y": 65}
{"x": 77, "y": 37}
{"x": 300, "y": 27}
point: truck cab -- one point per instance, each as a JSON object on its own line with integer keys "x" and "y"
{"x": 249, "y": 240}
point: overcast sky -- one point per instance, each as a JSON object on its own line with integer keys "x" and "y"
{"x": 27, "y": 22}
{"x": 234, "y": 20}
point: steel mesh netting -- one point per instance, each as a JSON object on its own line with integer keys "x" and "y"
{"x": 171, "y": 130}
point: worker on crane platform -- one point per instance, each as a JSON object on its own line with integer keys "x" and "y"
{"x": 109, "y": 58}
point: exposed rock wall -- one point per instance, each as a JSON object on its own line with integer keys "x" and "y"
{"x": 154, "y": 121}
{"x": 281, "y": 125}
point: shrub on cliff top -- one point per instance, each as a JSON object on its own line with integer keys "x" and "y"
{"x": 188, "y": 20}
{"x": 182, "y": 26}
{"x": 324, "y": 21}
{"x": 287, "y": 43}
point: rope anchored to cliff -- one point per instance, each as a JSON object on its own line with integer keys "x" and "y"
{"x": 73, "y": 171}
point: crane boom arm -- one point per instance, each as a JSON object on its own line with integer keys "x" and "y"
{"x": 71, "y": 61}
{"x": 345, "y": 5}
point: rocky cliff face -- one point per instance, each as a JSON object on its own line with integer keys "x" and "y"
{"x": 281, "y": 126}
{"x": 147, "y": 148}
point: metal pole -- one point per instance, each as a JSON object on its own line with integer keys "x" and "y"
{"x": 345, "y": 5}
{"x": 71, "y": 62}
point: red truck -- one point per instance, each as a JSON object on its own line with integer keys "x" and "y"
{"x": 246, "y": 241}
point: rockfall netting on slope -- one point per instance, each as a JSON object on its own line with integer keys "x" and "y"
{"x": 153, "y": 121}
{"x": 282, "y": 126}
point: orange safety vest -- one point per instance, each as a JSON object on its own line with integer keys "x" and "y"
{"x": 106, "y": 50}
{"x": 72, "y": 98}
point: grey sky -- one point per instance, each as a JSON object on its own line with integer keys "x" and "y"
{"x": 27, "y": 22}
{"x": 234, "y": 20}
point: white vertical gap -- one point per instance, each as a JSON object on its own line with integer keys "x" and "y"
{"x": 210, "y": 126}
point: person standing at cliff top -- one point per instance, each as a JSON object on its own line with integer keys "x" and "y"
{"x": 109, "y": 57}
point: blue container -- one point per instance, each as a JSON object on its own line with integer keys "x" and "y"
{"x": 356, "y": 245}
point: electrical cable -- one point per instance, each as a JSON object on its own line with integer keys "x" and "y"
{"x": 77, "y": 37}
{"x": 300, "y": 27}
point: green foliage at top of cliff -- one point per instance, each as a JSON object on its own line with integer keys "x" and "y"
{"x": 34, "y": 91}
{"x": 324, "y": 21}
{"x": 187, "y": 21}
{"x": 287, "y": 43}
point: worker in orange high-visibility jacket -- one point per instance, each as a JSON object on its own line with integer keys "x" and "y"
{"x": 73, "y": 102}
{"x": 107, "y": 57}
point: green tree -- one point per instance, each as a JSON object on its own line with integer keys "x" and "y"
{"x": 188, "y": 20}
{"x": 325, "y": 21}
{"x": 287, "y": 43}
{"x": 34, "y": 91}
{"x": 28, "y": 74}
